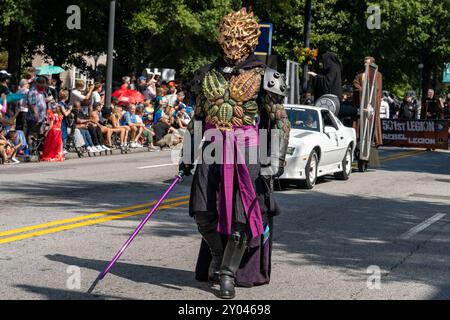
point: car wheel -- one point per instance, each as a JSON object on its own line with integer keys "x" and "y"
{"x": 346, "y": 166}
{"x": 311, "y": 171}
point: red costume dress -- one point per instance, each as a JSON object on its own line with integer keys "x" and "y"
{"x": 53, "y": 151}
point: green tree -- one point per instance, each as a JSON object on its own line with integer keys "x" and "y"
{"x": 179, "y": 34}
{"x": 15, "y": 20}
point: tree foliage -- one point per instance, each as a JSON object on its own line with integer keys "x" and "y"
{"x": 182, "y": 34}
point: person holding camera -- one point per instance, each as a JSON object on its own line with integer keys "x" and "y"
{"x": 77, "y": 95}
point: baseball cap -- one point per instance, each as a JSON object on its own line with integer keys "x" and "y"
{"x": 5, "y": 73}
{"x": 142, "y": 78}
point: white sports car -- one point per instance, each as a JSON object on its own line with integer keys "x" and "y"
{"x": 319, "y": 145}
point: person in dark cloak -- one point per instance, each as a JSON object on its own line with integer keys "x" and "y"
{"x": 232, "y": 202}
{"x": 331, "y": 81}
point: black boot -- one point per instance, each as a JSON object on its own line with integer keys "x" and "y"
{"x": 234, "y": 251}
{"x": 207, "y": 226}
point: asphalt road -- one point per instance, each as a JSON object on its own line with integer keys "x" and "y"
{"x": 61, "y": 221}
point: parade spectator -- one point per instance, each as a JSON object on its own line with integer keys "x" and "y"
{"x": 126, "y": 81}
{"x": 4, "y": 90}
{"x": 31, "y": 75}
{"x": 142, "y": 85}
{"x": 447, "y": 107}
{"x": 132, "y": 121}
{"x": 408, "y": 110}
{"x": 7, "y": 121}
{"x": 180, "y": 100}
{"x": 4, "y": 144}
{"x": 151, "y": 88}
{"x": 37, "y": 107}
{"x": 160, "y": 111}
{"x": 115, "y": 117}
{"x": 149, "y": 110}
{"x": 161, "y": 92}
{"x": 166, "y": 136}
{"x": 147, "y": 131}
{"x": 89, "y": 132}
{"x": 171, "y": 97}
{"x": 14, "y": 146}
{"x": 96, "y": 94}
{"x": 78, "y": 96}
{"x": 384, "y": 109}
{"x": 94, "y": 117}
{"x": 133, "y": 82}
{"x": 431, "y": 108}
{"x": 307, "y": 99}
{"x": 52, "y": 93}
{"x": 21, "y": 121}
{"x": 65, "y": 111}
{"x": 180, "y": 123}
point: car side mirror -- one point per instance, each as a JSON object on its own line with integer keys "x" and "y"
{"x": 328, "y": 130}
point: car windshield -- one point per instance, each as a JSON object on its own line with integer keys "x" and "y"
{"x": 305, "y": 119}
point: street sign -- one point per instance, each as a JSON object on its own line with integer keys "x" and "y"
{"x": 264, "y": 47}
{"x": 446, "y": 77}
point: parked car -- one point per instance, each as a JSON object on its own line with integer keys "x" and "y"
{"x": 319, "y": 145}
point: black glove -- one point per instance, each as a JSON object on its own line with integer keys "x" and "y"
{"x": 186, "y": 168}
{"x": 282, "y": 157}
{"x": 279, "y": 172}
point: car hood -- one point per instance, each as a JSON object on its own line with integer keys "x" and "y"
{"x": 301, "y": 134}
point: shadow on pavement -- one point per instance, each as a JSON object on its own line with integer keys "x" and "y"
{"x": 426, "y": 162}
{"x": 164, "y": 277}
{"x": 78, "y": 195}
{"x": 59, "y": 294}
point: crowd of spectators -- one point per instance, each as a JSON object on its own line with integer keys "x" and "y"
{"x": 410, "y": 108}
{"x": 50, "y": 121}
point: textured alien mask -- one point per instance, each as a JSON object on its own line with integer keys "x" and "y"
{"x": 238, "y": 34}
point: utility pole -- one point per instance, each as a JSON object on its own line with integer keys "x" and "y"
{"x": 109, "y": 72}
{"x": 307, "y": 41}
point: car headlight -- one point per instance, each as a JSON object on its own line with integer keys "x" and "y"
{"x": 290, "y": 150}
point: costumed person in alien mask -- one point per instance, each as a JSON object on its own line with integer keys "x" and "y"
{"x": 232, "y": 201}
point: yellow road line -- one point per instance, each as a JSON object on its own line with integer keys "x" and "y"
{"x": 85, "y": 217}
{"x": 403, "y": 155}
{"x": 85, "y": 223}
{"x": 397, "y": 156}
{"x": 68, "y": 225}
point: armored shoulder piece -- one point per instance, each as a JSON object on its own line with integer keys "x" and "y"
{"x": 275, "y": 82}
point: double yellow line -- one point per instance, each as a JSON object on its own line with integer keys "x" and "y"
{"x": 86, "y": 220}
{"x": 402, "y": 155}
{"x": 399, "y": 156}
{"x": 109, "y": 215}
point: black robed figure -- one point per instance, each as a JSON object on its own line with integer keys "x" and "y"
{"x": 232, "y": 202}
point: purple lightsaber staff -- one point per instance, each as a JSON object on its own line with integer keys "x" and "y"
{"x": 135, "y": 233}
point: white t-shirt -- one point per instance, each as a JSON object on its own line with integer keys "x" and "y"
{"x": 171, "y": 99}
{"x": 95, "y": 97}
{"x": 76, "y": 96}
{"x": 139, "y": 119}
{"x": 384, "y": 110}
